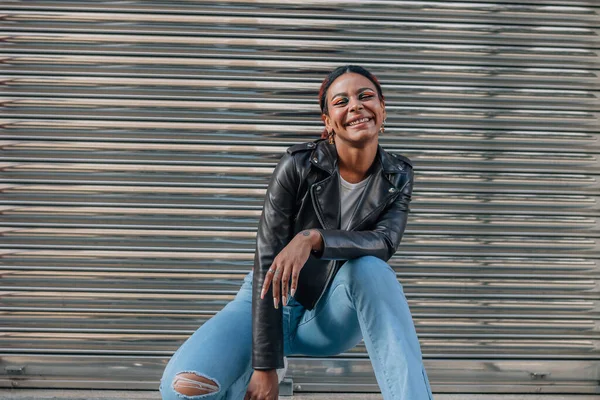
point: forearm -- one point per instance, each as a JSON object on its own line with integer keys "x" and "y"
{"x": 267, "y": 328}
{"x": 347, "y": 245}
{"x": 379, "y": 238}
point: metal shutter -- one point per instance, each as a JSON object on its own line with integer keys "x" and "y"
{"x": 138, "y": 137}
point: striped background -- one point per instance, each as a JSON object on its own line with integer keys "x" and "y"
{"x": 137, "y": 139}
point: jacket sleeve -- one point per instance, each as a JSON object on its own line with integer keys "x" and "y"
{"x": 275, "y": 230}
{"x": 381, "y": 241}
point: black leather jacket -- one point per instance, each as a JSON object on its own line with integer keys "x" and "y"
{"x": 304, "y": 194}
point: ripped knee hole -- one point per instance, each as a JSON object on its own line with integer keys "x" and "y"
{"x": 191, "y": 384}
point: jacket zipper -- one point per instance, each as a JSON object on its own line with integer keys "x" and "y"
{"x": 328, "y": 280}
{"x": 317, "y": 210}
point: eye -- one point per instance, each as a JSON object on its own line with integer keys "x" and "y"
{"x": 366, "y": 95}
{"x": 340, "y": 101}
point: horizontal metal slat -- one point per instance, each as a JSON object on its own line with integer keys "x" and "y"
{"x": 405, "y": 266}
{"x": 251, "y": 112}
{"x": 246, "y": 201}
{"x": 477, "y": 267}
{"x": 175, "y": 45}
{"x": 127, "y": 145}
{"x": 244, "y": 226}
{"x": 121, "y": 324}
{"x": 422, "y": 306}
{"x": 437, "y": 182}
{"x": 208, "y": 283}
{"x": 432, "y": 117}
{"x": 268, "y": 28}
{"x": 182, "y": 95}
{"x": 568, "y": 145}
{"x": 517, "y": 56}
{"x": 172, "y": 162}
{"x": 314, "y": 374}
{"x": 403, "y": 73}
{"x": 427, "y": 245}
{"x": 201, "y": 15}
{"x": 64, "y": 343}
{"x": 481, "y": 11}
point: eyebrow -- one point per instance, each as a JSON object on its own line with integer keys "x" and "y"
{"x": 344, "y": 93}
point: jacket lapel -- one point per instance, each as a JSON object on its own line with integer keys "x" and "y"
{"x": 325, "y": 193}
{"x": 377, "y": 193}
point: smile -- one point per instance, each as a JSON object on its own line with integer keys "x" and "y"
{"x": 358, "y": 121}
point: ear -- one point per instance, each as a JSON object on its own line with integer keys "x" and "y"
{"x": 384, "y": 112}
{"x": 327, "y": 122}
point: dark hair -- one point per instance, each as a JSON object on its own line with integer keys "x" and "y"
{"x": 336, "y": 73}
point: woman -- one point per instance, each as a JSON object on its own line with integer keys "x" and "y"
{"x": 335, "y": 212}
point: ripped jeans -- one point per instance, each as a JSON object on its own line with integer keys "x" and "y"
{"x": 364, "y": 301}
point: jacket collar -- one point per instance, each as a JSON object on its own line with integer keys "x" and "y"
{"x": 326, "y": 193}
{"x": 324, "y": 156}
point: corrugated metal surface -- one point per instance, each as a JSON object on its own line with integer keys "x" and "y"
{"x": 138, "y": 138}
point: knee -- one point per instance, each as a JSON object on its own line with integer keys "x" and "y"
{"x": 368, "y": 273}
{"x": 368, "y": 267}
{"x": 192, "y": 384}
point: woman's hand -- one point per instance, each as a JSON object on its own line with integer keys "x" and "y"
{"x": 288, "y": 263}
{"x": 264, "y": 385}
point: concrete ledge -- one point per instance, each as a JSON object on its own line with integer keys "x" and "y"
{"x": 45, "y": 394}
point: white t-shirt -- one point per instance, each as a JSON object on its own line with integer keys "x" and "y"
{"x": 350, "y": 194}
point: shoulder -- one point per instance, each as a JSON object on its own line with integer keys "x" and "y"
{"x": 393, "y": 161}
{"x": 300, "y": 147}
{"x": 402, "y": 159}
{"x": 293, "y": 160}
{"x": 300, "y": 154}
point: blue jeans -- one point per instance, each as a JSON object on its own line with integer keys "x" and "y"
{"x": 364, "y": 300}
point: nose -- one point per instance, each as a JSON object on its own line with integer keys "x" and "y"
{"x": 355, "y": 104}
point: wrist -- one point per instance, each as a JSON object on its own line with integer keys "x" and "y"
{"x": 314, "y": 239}
{"x": 265, "y": 371}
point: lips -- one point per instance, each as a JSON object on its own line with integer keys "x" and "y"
{"x": 358, "y": 121}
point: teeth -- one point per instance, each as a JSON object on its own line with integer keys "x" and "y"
{"x": 360, "y": 121}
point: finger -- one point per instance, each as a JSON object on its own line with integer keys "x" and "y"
{"x": 277, "y": 286}
{"x": 285, "y": 284}
{"x": 294, "y": 285}
{"x": 267, "y": 282}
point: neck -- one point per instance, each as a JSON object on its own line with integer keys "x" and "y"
{"x": 354, "y": 162}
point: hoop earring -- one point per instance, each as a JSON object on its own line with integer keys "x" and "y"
{"x": 330, "y": 137}
{"x": 382, "y": 128}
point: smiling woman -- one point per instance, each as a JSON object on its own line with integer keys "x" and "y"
{"x": 353, "y": 110}
{"x": 334, "y": 214}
